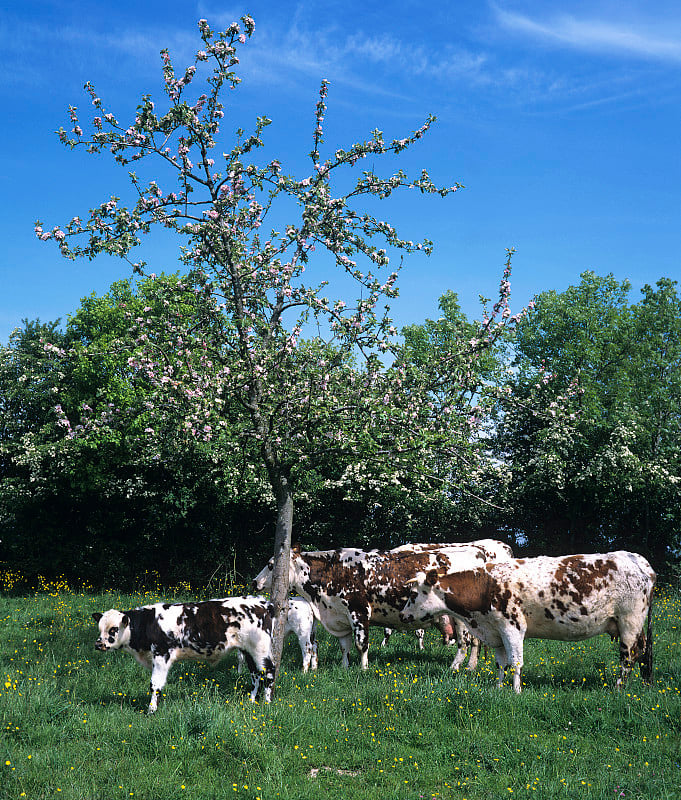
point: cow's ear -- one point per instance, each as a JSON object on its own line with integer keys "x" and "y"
{"x": 125, "y": 621}
{"x": 431, "y": 577}
{"x": 97, "y": 616}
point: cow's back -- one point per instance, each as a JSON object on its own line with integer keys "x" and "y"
{"x": 573, "y": 597}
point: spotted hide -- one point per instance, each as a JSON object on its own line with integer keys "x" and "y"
{"x": 451, "y": 628}
{"x": 351, "y": 589}
{"x": 159, "y": 635}
{"x": 569, "y": 598}
{"x": 301, "y": 621}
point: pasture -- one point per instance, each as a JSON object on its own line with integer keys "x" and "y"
{"x": 73, "y": 723}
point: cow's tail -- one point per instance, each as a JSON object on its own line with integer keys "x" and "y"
{"x": 646, "y": 660}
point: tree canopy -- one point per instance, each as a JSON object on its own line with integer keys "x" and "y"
{"x": 607, "y": 472}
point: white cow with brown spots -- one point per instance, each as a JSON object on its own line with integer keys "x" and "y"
{"x": 352, "y": 589}
{"x": 452, "y": 629}
{"x": 569, "y": 598}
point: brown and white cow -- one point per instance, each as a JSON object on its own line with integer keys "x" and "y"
{"x": 158, "y": 635}
{"x": 569, "y": 598}
{"x": 492, "y": 549}
{"x": 451, "y": 628}
{"x": 351, "y": 589}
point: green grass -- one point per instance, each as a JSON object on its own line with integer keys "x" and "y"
{"x": 73, "y": 722}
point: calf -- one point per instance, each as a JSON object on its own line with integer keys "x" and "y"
{"x": 569, "y": 598}
{"x": 160, "y": 634}
{"x": 352, "y": 589}
{"x": 301, "y": 621}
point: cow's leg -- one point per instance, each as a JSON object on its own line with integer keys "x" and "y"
{"x": 502, "y": 662}
{"x": 517, "y": 672}
{"x": 420, "y": 635}
{"x": 239, "y": 662}
{"x": 305, "y": 651}
{"x": 475, "y": 654}
{"x": 626, "y": 663}
{"x": 360, "y": 628}
{"x": 513, "y": 644}
{"x": 255, "y": 676}
{"x": 645, "y": 659}
{"x": 387, "y": 633}
{"x": 463, "y": 639}
{"x": 345, "y": 643}
{"x": 160, "y": 667}
{"x": 632, "y": 647}
{"x": 308, "y": 647}
{"x": 314, "y": 661}
{"x": 268, "y": 679}
{"x": 459, "y": 658}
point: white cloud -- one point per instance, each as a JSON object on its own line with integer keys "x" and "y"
{"x": 44, "y": 50}
{"x": 382, "y": 65}
{"x": 452, "y": 62}
{"x": 642, "y": 39}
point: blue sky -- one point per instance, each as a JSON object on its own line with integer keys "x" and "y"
{"x": 562, "y": 120}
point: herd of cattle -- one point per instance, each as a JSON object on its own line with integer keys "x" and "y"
{"x": 473, "y": 592}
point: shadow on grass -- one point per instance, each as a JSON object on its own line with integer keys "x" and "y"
{"x": 108, "y": 698}
{"x": 382, "y": 656}
{"x": 191, "y": 685}
{"x": 588, "y": 681}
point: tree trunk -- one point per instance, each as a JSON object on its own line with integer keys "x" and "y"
{"x": 280, "y": 573}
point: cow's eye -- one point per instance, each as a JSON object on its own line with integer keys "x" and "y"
{"x": 113, "y": 631}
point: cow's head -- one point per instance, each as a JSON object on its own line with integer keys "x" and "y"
{"x": 114, "y": 629}
{"x": 263, "y": 580}
{"x": 299, "y": 569}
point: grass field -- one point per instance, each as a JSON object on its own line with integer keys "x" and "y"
{"x": 73, "y": 722}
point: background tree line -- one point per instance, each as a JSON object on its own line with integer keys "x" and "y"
{"x": 575, "y": 445}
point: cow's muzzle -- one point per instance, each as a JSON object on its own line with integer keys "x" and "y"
{"x": 99, "y": 645}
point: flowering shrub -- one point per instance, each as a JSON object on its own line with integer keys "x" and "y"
{"x": 11, "y": 580}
